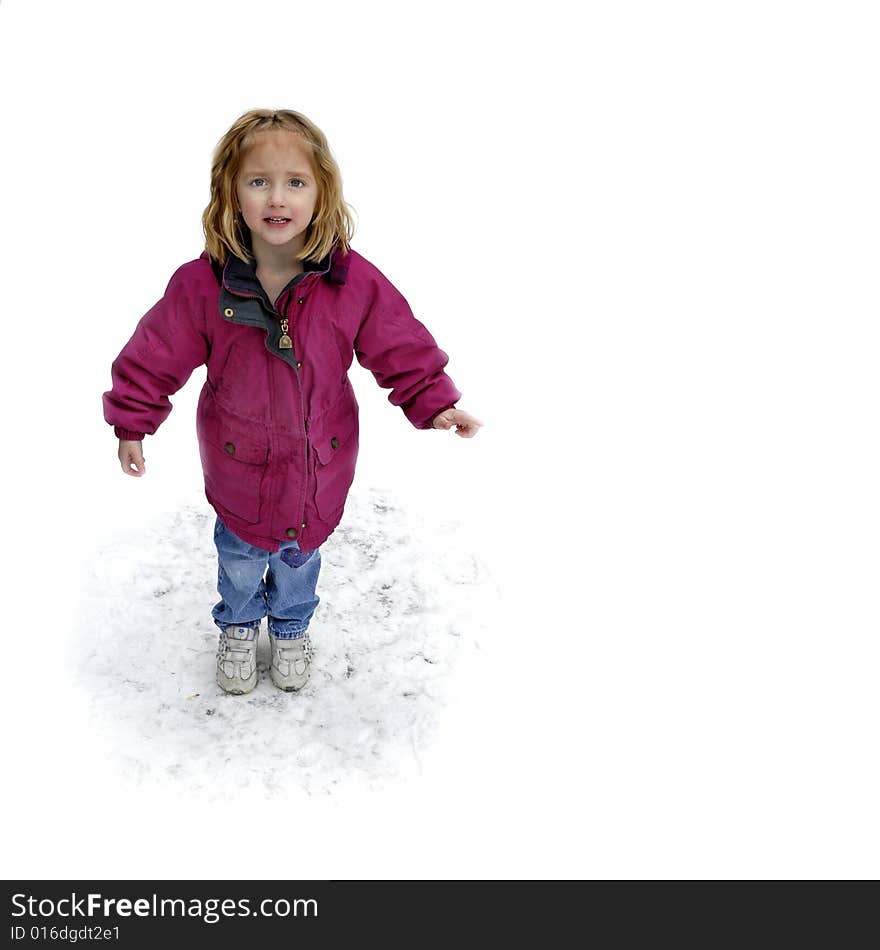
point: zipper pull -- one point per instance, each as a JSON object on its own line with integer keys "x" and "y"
{"x": 285, "y": 343}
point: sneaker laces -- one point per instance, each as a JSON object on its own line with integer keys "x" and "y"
{"x": 245, "y": 647}
{"x": 290, "y": 651}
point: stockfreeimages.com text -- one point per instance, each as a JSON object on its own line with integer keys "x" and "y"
{"x": 210, "y": 909}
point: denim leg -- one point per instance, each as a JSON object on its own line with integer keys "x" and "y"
{"x": 239, "y": 580}
{"x": 290, "y": 590}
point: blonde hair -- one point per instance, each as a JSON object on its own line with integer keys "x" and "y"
{"x": 221, "y": 222}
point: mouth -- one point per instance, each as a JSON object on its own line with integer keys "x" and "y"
{"x": 277, "y": 222}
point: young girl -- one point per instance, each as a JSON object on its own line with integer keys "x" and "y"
{"x": 276, "y": 306}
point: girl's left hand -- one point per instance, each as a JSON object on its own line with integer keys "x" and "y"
{"x": 465, "y": 425}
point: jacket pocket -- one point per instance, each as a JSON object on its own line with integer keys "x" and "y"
{"x": 241, "y": 387}
{"x": 334, "y": 438}
{"x": 234, "y": 455}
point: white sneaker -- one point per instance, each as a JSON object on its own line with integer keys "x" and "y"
{"x": 237, "y": 659}
{"x": 291, "y": 662}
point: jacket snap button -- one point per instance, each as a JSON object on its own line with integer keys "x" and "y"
{"x": 228, "y": 312}
{"x": 230, "y": 448}
{"x": 291, "y": 532}
{"x": 299, "y": 365}
{"x": 334, "y": 443}
{"x": 301, "y": 300}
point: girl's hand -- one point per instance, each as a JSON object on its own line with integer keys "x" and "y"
{"x": 465, "y": 425}
{"x": 130, "y": 455}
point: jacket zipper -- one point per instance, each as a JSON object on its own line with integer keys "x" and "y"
{"x": 302, "y": 402}
{"x": 286, "y": 319}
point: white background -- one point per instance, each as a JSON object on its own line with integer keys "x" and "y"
{"x": 646, "y": 234}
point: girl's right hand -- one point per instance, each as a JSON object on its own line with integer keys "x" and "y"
{"x": 131, "y": 457}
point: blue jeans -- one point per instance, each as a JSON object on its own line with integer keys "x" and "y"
{"x": 286, "y": 595}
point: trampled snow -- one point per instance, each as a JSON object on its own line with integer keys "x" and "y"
{"x": 395, "y": 623}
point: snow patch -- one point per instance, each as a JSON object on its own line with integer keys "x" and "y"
{"x": 402, "y": 608}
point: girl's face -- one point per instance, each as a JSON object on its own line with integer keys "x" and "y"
{"x": 277, "y": 191}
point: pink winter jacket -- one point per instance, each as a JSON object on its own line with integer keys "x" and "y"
{"x": 277, "y": 427}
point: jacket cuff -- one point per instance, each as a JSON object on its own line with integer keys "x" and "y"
{"x": 129, "y": 435}
{"x": 429, "y": 423}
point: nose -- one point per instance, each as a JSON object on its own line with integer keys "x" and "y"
{"x": 276, "y": 196}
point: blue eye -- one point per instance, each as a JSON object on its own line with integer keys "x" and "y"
{"x": 261, "y": 181}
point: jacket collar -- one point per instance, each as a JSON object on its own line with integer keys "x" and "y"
{"x": 240, "y": 277}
